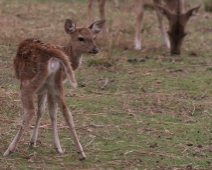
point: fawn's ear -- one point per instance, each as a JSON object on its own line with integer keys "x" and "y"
{"x": 192, "y": 12}
{"x": 165, "y": 11}
{"x": 97, "y": 26}
{"x": 70, "y": 26}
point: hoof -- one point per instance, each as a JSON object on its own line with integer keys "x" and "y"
{"x": 81, "y": 156}
{"x": 82, "y": 159}
{"x": 137, "y": 44}
{"x": 7, "y": 153}
{"x": 137, "y": 48}
{"x": 59, "y": 150}
{"x": 32, "y": 145}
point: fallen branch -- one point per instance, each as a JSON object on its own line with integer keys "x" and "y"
{"x": 96, "y": 126}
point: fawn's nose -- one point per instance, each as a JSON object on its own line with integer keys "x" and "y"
{"x": 94, "y": 51}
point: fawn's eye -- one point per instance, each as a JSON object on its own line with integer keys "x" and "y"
{"x": 81, "y": 39}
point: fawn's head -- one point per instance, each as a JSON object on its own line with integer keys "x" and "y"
{"x": 83, "y": 39}
{"x": 177, "y": 26}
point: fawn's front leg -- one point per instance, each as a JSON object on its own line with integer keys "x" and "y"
{"x": 70, "y": 122}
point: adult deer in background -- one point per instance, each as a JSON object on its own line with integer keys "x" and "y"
{"x": 174, "y": 12}
{"x": 42, "y": 68}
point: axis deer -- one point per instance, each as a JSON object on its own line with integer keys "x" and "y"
{"x": 175, "y": 13}
{"x": 42, "y": 68}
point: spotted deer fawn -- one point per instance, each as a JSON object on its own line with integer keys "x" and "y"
{"x": 42, "y": 68}
{"x": 175, "y": 13}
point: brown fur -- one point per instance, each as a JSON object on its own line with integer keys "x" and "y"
{"x": 32, "y": 57}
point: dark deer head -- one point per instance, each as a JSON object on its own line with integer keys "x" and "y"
{"x": 177, "y": 26}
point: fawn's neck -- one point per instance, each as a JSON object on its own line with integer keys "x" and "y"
{"x": 75, "y": 57}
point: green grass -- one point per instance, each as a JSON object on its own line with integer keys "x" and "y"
{"x": 133, "y": 110}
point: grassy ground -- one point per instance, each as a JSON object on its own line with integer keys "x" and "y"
{"x": 133, "y": 110}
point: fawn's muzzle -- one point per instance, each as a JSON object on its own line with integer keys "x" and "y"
{"x": 94, "y": 51}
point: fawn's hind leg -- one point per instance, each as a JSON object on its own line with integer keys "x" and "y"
{"x": 40, "y": 111}
{"x": 52, "y": 109}
{"x": 29, "y": 111}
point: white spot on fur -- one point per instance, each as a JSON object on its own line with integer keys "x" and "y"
{"x": 80, "y": 60}
{"x": 53, "y": 65}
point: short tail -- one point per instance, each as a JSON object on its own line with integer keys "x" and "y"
{"x": 68, "y": 69}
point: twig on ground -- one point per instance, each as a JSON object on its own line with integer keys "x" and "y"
{"x": 105, "y": 84}
{"x": 89, "y": 143}
{"x": 193, "y": 109}
{"x": 96, "y": 126}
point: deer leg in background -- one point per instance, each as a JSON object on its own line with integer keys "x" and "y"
{"x": 102, "y": 16}
{"x": 165, "y": 38}
{"x": 139, "y": 16}
{"x": 116, "y": 2}
{"x": 90, "y": 11}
